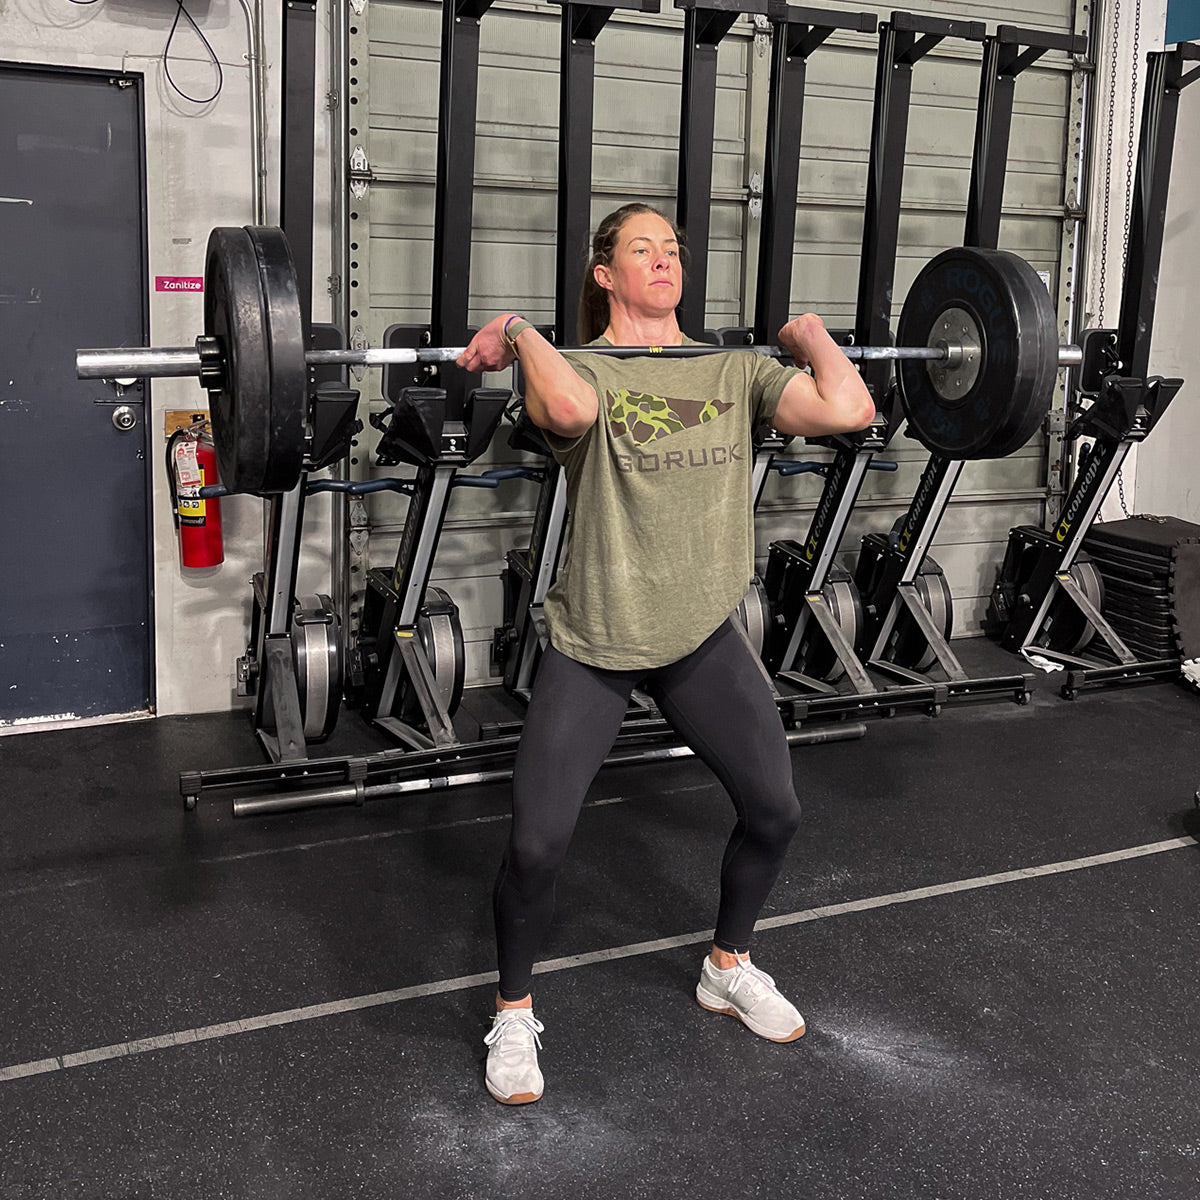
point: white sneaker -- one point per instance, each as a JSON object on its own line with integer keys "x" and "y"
{"x": 750, "y": 995}
{"x": 512, "y": 1075}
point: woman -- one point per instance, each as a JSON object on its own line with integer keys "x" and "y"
{"x": 658, "y": 458}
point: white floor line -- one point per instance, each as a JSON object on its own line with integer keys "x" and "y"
{"x": 312, "y": 1012}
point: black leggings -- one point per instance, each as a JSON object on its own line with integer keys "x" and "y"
{"x": 718, "y": 700}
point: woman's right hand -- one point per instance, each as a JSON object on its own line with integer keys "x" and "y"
{"x": 488, "y": 350}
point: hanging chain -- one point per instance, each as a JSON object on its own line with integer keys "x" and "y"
{"x": 1133, "y": 91}
{"x": 1112, "y": 103}
{"x": 1108, "y": 145}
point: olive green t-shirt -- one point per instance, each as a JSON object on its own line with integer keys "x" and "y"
{"x": 661, "y": 540}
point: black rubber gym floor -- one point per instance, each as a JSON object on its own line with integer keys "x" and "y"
{"x": 193, "y": 1005}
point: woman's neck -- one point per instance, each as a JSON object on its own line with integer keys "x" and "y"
{"x": 626, "y": 329}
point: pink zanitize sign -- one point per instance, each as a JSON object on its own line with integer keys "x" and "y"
{"x": 179, "y": 283}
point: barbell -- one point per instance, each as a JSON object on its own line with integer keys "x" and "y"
{"x": 157, "y": 362}
{"x": 976, "y": 362}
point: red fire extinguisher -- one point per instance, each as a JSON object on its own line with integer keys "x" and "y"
{"x": 191, "y": 465}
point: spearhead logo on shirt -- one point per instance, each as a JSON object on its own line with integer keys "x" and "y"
{"x": 647, "y": 418}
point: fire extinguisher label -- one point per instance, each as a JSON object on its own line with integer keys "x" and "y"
{"x": 189, "y": 475}
{"x": 192, "y": 508}
{"x": 187, "y": 465}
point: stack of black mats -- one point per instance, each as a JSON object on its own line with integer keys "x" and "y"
{"x": 1151, "y": 572}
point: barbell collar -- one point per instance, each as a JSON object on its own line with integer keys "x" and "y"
{"x": 212, "y": 362}
{"x": 181, "y": 361}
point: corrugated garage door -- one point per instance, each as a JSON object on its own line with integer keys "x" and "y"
{"x": 394, "y": 70}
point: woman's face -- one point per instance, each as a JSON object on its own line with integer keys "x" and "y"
{"x": 645, "y": 275}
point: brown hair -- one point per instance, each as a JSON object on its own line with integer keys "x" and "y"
{"x": 593, "y": 299}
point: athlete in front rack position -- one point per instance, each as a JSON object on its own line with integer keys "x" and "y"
{"x": 658, "y": 459}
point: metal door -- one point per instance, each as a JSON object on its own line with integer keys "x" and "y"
{"x": 75, "y": 635}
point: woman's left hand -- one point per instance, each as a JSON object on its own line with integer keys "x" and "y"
{"x": 800, "y": 335}
{"x": 487, "y": 350}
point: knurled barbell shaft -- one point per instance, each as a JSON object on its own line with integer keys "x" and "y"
{"x": 450, "y": 354}
{"x": 177, "y": 361}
